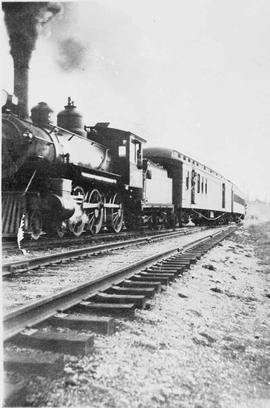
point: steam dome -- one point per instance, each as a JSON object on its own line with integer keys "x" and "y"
{"x": 71, "y": 119}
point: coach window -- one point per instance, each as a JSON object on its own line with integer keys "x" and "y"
{"x": 205, "y": 186}
{"x": 202, "y": 184}
{"x": 187, "y": 180}
{"x": 199, "y": 183}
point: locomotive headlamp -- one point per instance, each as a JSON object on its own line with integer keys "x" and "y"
{"x": 9, "y": 103}
{"x": 28, "y": 135}
{"x": 14, "y": 100}
{"x": 4, "y": 97}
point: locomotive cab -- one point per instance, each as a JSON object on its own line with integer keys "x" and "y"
{"x": 126, "y": 150}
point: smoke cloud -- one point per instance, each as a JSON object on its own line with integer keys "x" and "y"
{"x": 71, "y": 55}
{"x": 23, "y": 22}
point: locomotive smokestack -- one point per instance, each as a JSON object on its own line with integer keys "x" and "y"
{"x": 24, "y": 21}
{"x": 21, "y": 69}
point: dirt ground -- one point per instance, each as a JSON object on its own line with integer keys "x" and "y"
{"x": 203, "y": 343}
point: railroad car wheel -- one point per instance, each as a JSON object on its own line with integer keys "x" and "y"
{"x": 77, "y": 228}
{"x": 95, "y": 215}
{"x": 35, "y": 224}
{"x": 61, "y": 229}
{"x": 116, "y": 215}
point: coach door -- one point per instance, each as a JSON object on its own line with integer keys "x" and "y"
{"x": 193, "y": 186}
{"x": 223, "y": 195}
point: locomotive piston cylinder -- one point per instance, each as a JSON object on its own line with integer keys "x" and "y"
{"x": 60, "y": 200}
{"x": 64, "y": 207}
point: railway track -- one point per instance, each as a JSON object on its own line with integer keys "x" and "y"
{"x": 10, "y": 244}
{"x": 53, "y": 323}
{"x": 14, "y": 267}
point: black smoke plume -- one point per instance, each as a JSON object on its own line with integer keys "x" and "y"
{"x": 24, "y": 21}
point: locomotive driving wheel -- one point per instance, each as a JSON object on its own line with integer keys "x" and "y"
{"x": 35, "y": 223}
{"x": 116, "y": 214}
{"x": 95, "y": 213}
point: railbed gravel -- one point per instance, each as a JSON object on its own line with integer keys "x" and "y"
{"x": 34, "y": 285}
{"x": 194, "y": 348}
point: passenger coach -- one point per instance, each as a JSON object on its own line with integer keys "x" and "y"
{"x": 200, "y": 194}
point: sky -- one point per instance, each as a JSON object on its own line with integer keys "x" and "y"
{"x": 193, "y": 75}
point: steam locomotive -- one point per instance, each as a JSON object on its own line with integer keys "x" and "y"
{"x": 66, "y": 177}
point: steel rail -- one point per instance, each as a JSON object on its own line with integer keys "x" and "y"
{"x": 10, "y": 268}
{"x": 11, "y": 242}
{"x": 39, "y": 311}
{"x": 70, "y": 240}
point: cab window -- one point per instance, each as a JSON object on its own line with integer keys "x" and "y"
{"x": 135, "y": 149}
{"x": 122, "y": 151}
